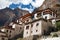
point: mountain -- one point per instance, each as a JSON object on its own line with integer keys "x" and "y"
{"x": 7, "y": 15}
{"x": 20, "y": 12}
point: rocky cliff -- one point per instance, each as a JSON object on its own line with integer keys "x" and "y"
{"x": 7, "y": 15}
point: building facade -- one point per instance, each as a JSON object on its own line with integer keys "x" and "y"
{"x": 33, "y": 26}
{"x": 39, "y": 23}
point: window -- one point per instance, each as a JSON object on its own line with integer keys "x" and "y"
{"x": 36, "y": 30}
{"x": 31, "y": 25}
{"x": 7, "y": 31}
{"x": 10, "y": 31}
{"x": 27, "y": 27}
{"x": 39, "y": 14}
{"x": 37, "y": 24}
{"x": 45, "y": 17}
{"x": 32, "y": 17}
{"x": 20, "y": 28}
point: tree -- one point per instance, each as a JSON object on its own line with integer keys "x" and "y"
{"x": 58, "y": 25}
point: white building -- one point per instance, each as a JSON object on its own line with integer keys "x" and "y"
{"x": 9, "y": 31}
{"x": 3, "y": 36}
{"x": 33, "y": 25}
{"x": 39, "y": 24}
{"x": 36, "y": 27}
{"x": 13, "y": 29}
{"x": 49, "y": 14}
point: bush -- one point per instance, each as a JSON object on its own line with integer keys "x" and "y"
{"x": 55, "y": 35}
{"x": 58, "y": 25}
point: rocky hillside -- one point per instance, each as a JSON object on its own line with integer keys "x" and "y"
{"x": 7, "y": 15}
{"x": 20, "y": 12}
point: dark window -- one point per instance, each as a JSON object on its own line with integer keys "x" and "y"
{"x": 37, "y": 24}
{"x": 45, "y": 17}
{"x": 27, "y": 27}
{"x": 7, "y": 31}
{"x": 50, "y": 13}
{"x": 32, "y": 17}
{"x": 27, "y": 20}
{"x": 39, "y": 14}
{"x": 36, "y": 30}
{"x": 2, "y": 38}
{"x": 31, "y": 25}
{"x": 10, "y": 31}
{"x": 20, "y": 28}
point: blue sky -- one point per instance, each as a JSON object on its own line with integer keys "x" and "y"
{"x": 28, "y": 5}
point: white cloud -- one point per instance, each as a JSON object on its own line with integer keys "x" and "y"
{"x": 6, "y": 3}
{"x": 37, "y": 3}
{"x": 15, "y": 1}
{"x": 30, "y": 10}
{"x": 26, "y": 2}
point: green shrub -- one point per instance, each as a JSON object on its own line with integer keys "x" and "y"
{"x": 58, "y": 25}
{"x": 55, "y": 35}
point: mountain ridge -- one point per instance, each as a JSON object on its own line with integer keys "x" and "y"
{"x": 7, "y": 15}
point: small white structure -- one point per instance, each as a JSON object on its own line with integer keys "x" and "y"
{"x": 9, "y": 31}
{"x": 3, "y": 36}
{"x": 48, "y": 14}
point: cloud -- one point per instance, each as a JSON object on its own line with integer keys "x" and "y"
{"x": 37, "y": 3}
{"x": 30, "y": 10}
{"x": 26, "y": 2}
{"x": 28, "y": 7}
{"x": 15, "y": 1}
{"x": 34, "y": 3}
{"x": 4, "y": 4}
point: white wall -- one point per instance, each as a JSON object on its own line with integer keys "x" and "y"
{"x": 38, "y": 28}
{"x": 26, "y": 30}
{"x": 17, "y": 29}
{"x": 35, "y": 16}
{"x": 54, "y": 38}
{"x": 53, "y": 21}
{"x": 48, "y": 16}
